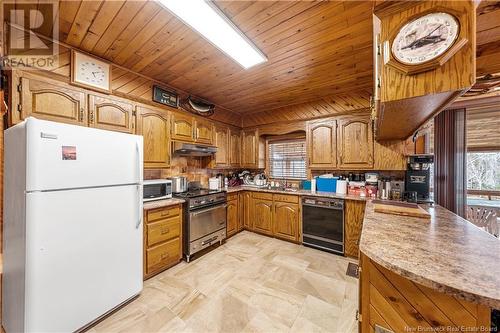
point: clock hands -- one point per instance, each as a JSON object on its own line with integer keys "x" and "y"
{"x": 93, "y": 73}
{"x": 427, "y": 39}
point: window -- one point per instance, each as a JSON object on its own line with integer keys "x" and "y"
{"x": 483, "y": 171}
{"x": 287, "y": 159}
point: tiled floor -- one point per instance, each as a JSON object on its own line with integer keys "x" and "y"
{"x": 252, "y": 283}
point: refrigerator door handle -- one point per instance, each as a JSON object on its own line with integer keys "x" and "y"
{"x": 139, "y": 217}
{"x": 138, "y": 155}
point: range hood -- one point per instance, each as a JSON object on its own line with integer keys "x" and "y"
{"x": 190, "y": 149}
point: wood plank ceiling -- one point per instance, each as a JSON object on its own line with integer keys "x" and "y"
{"x": 315, "y": 49}
{"x": 488, "y": 38}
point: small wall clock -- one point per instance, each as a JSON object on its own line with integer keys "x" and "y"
{"x": 425, "y": 42}
{"x": 89, "y": 72}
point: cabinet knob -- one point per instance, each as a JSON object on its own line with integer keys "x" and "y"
{"x": 165, "y": 231}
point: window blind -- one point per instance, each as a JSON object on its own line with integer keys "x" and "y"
{"x": 287, "y": 159}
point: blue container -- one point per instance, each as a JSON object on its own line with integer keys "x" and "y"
{"x": 326, "y": 184}
{"x": 306, "y": 185}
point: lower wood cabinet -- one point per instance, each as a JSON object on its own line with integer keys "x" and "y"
{"x": 285, "y": 220}
{"x": 276, "y": 215}
{"x": 162, "y": 239}
{"x": 354, "y": 212}
{"x": 262, "y": 215}
{"x": 233, "y": 215}
{"x": 245, "y": 204}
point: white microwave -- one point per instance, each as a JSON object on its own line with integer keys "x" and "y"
{"x": 157, "y": 189}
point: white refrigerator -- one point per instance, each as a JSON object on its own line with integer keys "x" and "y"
{"x": 72, "y": 248}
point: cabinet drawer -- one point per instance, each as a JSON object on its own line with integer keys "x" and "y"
{"x": 286, "y": 198}
{"x": 163, "y": 255}
{"x": 163, "y": 230}
{"x": 162, "y": 213}
{"x": 232, "y": 196}
{"x": 263, "y": 196}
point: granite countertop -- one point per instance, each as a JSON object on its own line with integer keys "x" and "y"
{"x": 447, "y": 253}
{"x": 162, "y": 203}
{"x": 298, "y": 192}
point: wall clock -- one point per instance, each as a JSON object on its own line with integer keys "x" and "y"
{"x": 425, "y": 42}
{"x": 89, "y": 72}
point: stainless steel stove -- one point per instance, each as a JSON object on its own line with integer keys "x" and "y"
{"x": 204, "y": 219}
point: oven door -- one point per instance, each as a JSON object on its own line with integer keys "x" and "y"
{"x": 323, "y": 223}
{"x": 205, "y": 221}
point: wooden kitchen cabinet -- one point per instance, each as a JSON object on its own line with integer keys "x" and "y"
{"x": 162, "y": 239}
{"x": 153, "y": 125}
{"x": 286, "y": 220}
{"x": 110, "y": 113}
{"x": 355, "y": 143}
{"x": 354, "y": 213}
{"x": 232, "y": 214}
{"x": 246, "y": 217}
{"x": 222, "y": 143}
{"x": 234, "y": 148}
{"x": 322, "y": 144}
{"x": 50, "y": 100}
{"x": 262, "y": 215}
{"x": 250, "y": 149}
{"x": 203, "y": 131}
{"x": 182, "y": 127}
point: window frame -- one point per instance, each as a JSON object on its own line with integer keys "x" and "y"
{"x": 285, "y": 138}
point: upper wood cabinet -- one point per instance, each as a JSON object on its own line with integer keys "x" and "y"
{"x": 234, "y": 148}
{"x": 111, "y": 113}
{"x": 49, "y": 100}
{"x": 262, "y": 215}
{"x": 321, "y": 144}
{"x": 182, "y": 127}
{"x": 222, "y": 144}
{"x": 403, "y": 100}
{"x": 252, "y": 149}
{"x": 204, "y": 131}
{"x": 355, "y": 142}
{"x": 285, "y": 220}
{"x": 153, "y": 125}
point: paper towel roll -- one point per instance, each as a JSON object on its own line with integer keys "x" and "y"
{"x": 341, "y": 187}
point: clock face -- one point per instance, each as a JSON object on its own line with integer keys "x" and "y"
{"x": 425, "y": 38}
{"x": 91, "y": 72}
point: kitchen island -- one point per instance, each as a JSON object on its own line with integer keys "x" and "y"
{"x": 419, "y": 274}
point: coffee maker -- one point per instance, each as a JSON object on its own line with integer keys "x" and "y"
{"x": 417, "y": 179}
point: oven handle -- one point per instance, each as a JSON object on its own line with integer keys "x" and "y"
{"x": 198, "y": 212}
{"x": 327, "y": 207}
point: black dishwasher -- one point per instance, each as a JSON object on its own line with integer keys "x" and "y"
{"x": 323, "y": 223}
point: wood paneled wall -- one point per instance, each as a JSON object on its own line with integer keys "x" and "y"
{"x": 135, "y": 86}
{"x": 483, "y": 129}
{"x": 319, "y": 108}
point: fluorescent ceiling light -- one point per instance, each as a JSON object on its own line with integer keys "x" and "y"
{"x": 212, "y": 24}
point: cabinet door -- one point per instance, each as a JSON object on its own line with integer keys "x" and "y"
{"x": 234, "y": 148}
{"x": 222, "y": 144}
{"x": 249, "y": 145}
{"x": 286, "y": 221}
{"x": 247, "y": 211}
{"x": 153, "y": 125}
{"x": 111, "y": 114}
{"x": 321, "y": 144}
{"x": 262, "y": 215}
{"x": 354, "y": 214}
{"x": 204, "y": 132}
{"x": 241, "y": 209}
{"x": 232, "y": 217}
{"x": 46, "y": 100}
{"x": 182, "y": 127}
{"x": 355, "y": 138}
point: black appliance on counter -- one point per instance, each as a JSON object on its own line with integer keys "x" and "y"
{"x": 417, "y": 179}
{"x": 205, "y": 221}
{"x": 323, "y": 223}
